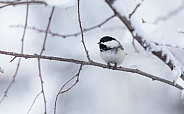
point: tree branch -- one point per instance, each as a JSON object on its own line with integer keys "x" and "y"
{"x": 61, "y": 91}
{"x": 14, "y": 3}
{"x": 170, "y": 14}
{"x": 39, "y": 63}
{"x": 128, "y": 24}
{"x": 135, "y": 9}
{"x": 82, "y": 34}
{"x": 34, "y": 102}
{"x": 22, "y": 50}
{"x": 135, "y": 71}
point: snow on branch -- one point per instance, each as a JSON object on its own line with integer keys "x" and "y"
{"x": 142, "y": 32}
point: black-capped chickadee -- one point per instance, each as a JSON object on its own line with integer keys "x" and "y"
{"x": 111, "y": 51}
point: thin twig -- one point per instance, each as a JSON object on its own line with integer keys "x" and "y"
{"x": 46, "y": 32}
{"x": 18, "y": 64}
{"x": 63, "y": 91}
{"x": 67, "y": 35}
{"x": 136, "y": 71}
{"x": 99, "y": 25}
{"x": 39, "y": 63}
{"x": 170, "y": 14}
{"x": 14, "y": 3}
{"x": 135, "y": 9}
{"x": 82, "y": 34}
{"x": 42, "y": 88}
{"x": 168, "y": 45}
{"x": 77, "y": 80}
{"x": 34, "y": 102}
{"x": 12, "y": 81}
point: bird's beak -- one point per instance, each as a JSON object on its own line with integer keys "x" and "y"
{"x": 98, "y": 43}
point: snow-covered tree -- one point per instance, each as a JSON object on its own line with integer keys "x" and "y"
{"x": 50, "y": 61}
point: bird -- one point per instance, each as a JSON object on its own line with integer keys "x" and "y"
{"x": 111, "y": 51}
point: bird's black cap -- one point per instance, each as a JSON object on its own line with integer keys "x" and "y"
{"x": 107, "y": 38}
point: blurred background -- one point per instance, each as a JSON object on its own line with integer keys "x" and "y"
{"x": 99, "y": 91}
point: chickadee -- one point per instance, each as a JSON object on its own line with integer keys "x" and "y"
{"x": 111, "y": 51}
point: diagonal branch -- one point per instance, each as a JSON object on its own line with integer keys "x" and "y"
{"x": 170, "y": 14}
{"x": 82, "y": 34}
{"x": 39, "y": 63}
{"x": 22, "y": 50}
{"x": 47, "y": 29}
{"x": 135, "y": 9}
{"x": 61, "y": 91}
{"x": 34, "y": 102}
{"x": 146, "y": 45}
{"x": 135, "y": 71}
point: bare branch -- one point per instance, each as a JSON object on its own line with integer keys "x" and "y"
{"x": 82, "y": 34}
{"x": 170, "y": 14}
{"x": 136, "y": 71}
{"x": 67, "y": 35}
{"x": 99, "y": 25}
{"x": 34, "y": 102}
{"x": 14, "y": 3}
{"x": 12, "y": 81}
{"x": 63, "y": 91}
{"x": 22, "y": 49}
{"x": 42, "y": 88}
{"x": 77, "y": 80}
{"x": 45, "y": 39}
{"x": 135, "y": 9}
{"x": 39, "y": 63}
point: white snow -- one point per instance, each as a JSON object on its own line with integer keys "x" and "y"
{"x": 180, "y": 45}
{"x": 61, "y": 3}
{"x": 149, "y": 33}
{"x": 121, "y": 7}
{"x": 179, "y": 81}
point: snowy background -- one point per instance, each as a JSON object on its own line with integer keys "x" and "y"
{"x": 99, "y": 91}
